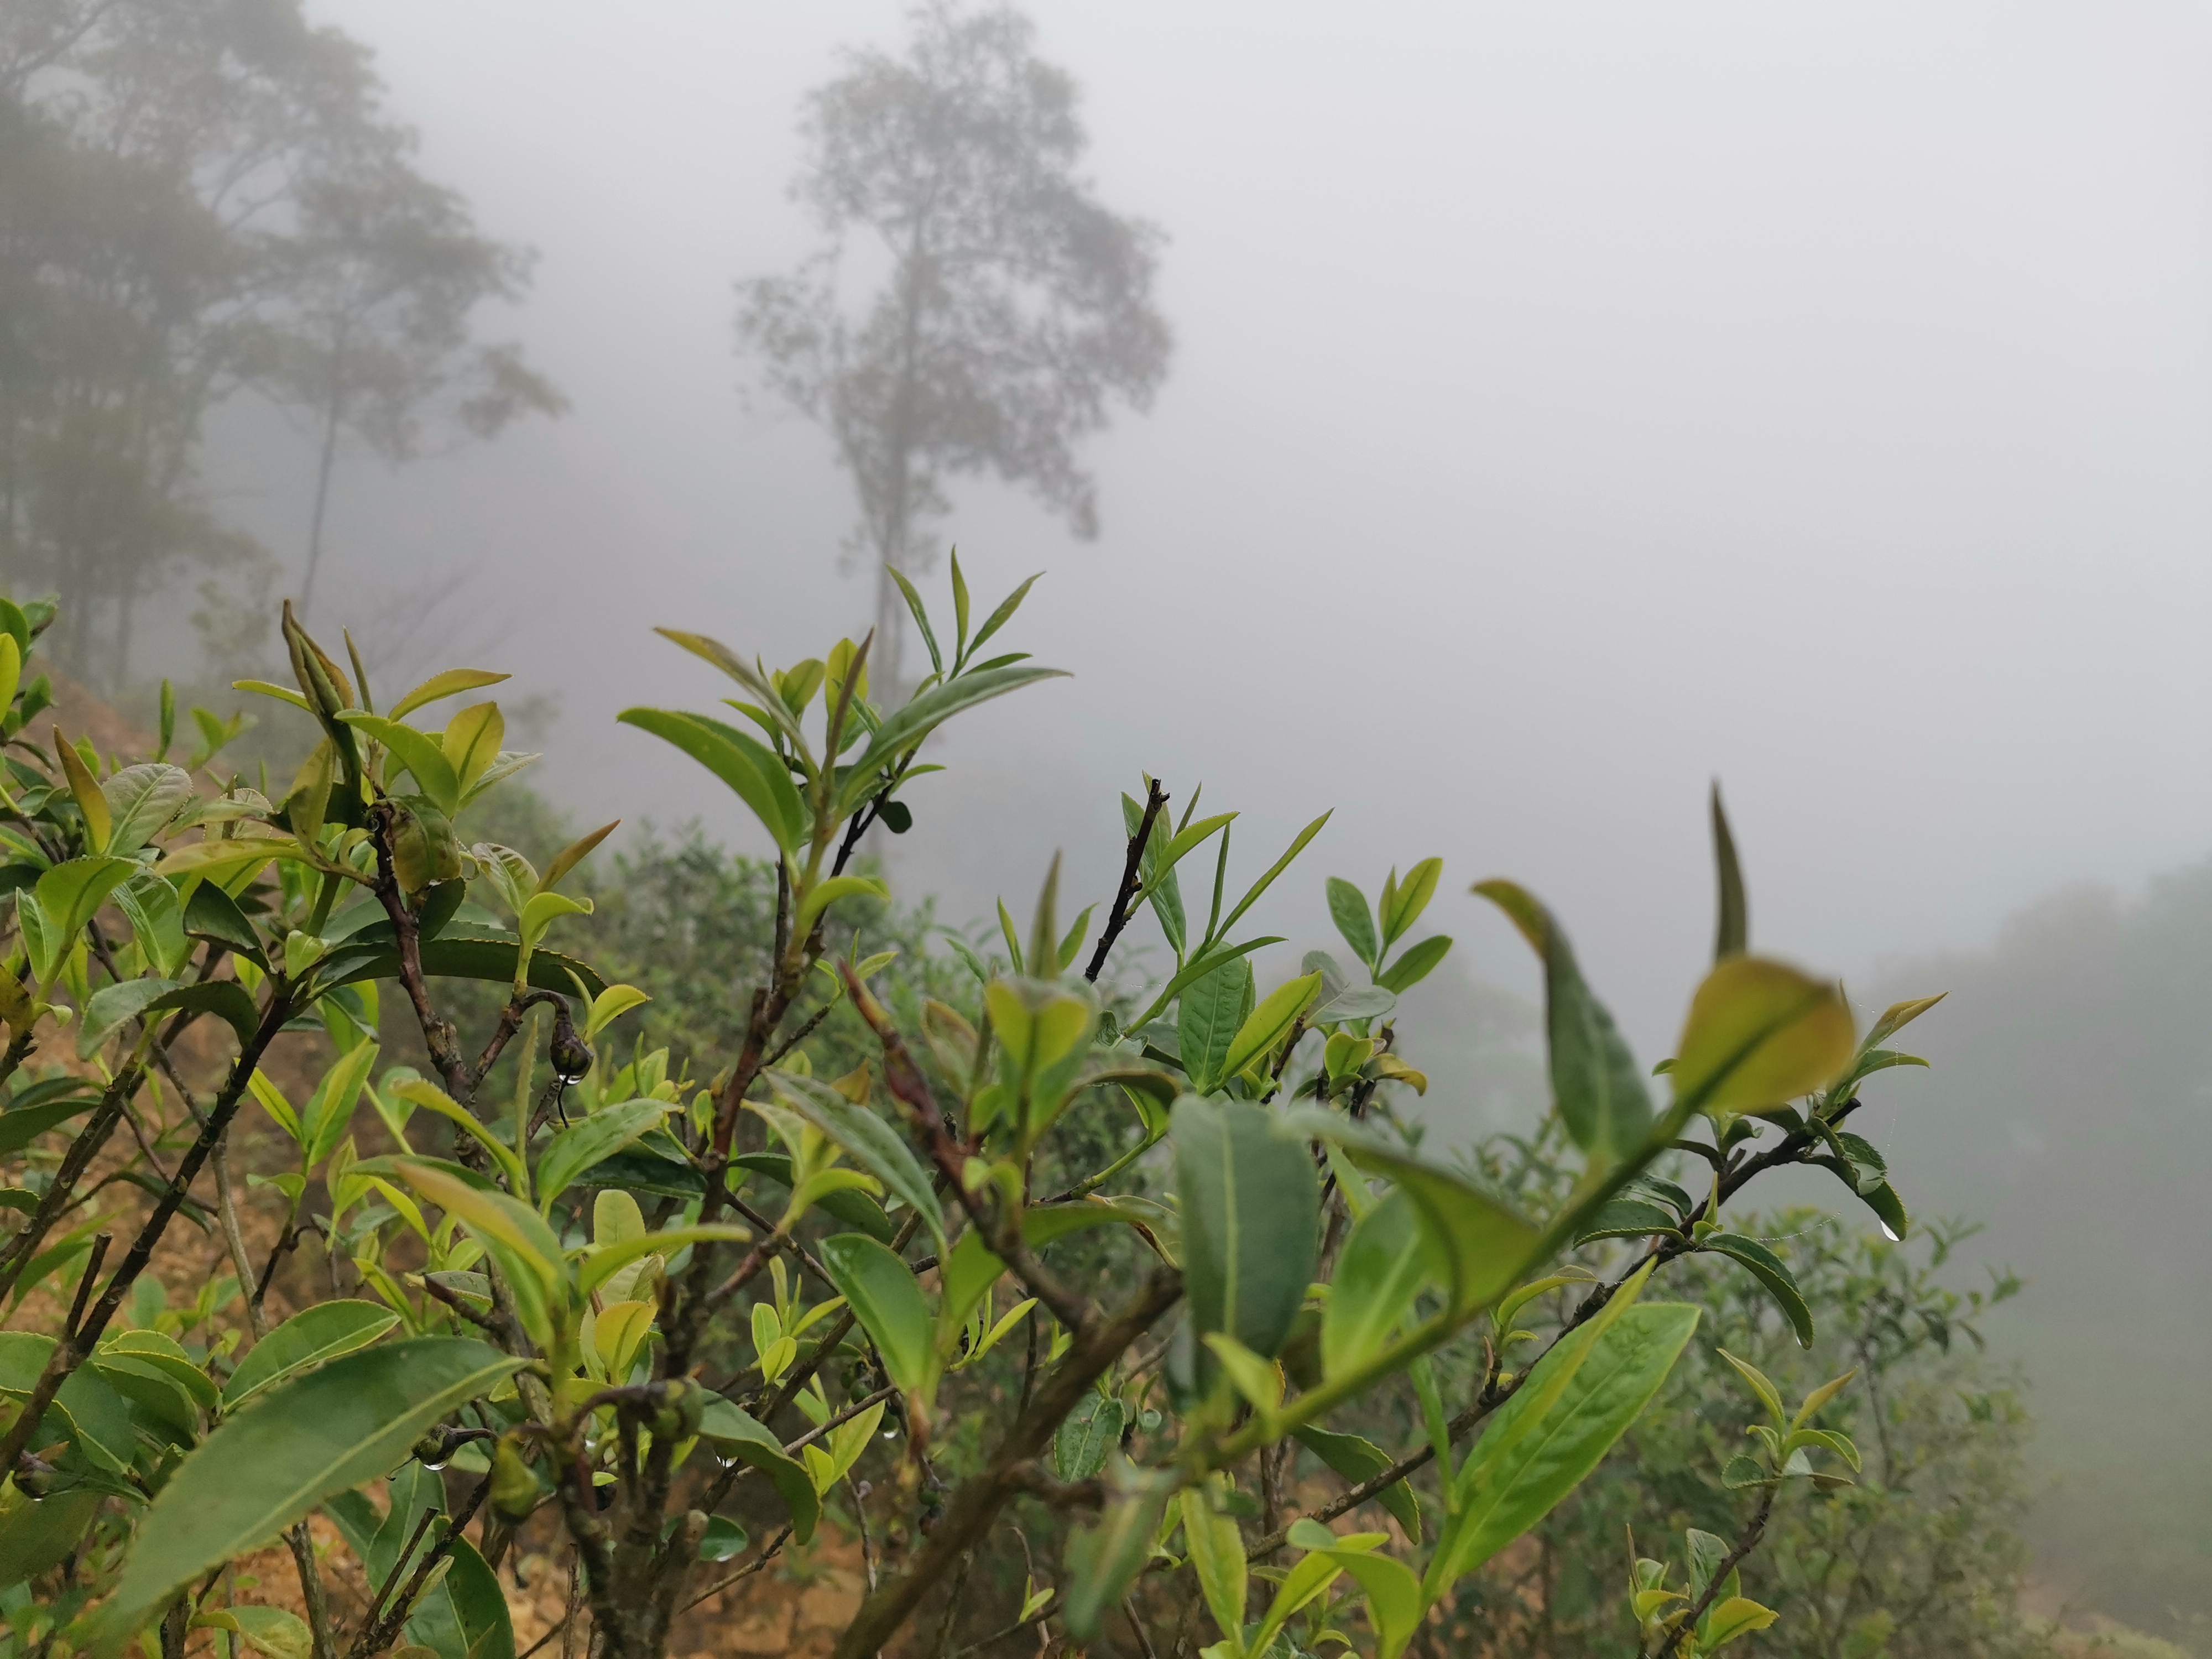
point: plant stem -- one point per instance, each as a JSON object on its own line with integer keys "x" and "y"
{"x": 1744, "y": 1543}
{"x": 1124, "y": 908}
{"x": 976, "y": 1503}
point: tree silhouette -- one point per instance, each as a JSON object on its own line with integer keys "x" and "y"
{"x": 973, "y": 309}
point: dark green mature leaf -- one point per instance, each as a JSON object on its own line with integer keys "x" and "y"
{"x": 1596, "y": 1081}
{"x": 1628, "y": 1218}
{"x": 470, "y": 958}
{"x": 317, "y": 1333}
{"x": 36, "y": 1534}
{"x": 1888, "y": 1208}
{"x": 465, "y": 1614}
{"x": 165, "y": 1354}
{"x": 163, "y": 1408}
{"x": 1381, "y": 1271}
{"x": 227, "y": 999}
{"x": 212, "y": 913}
{"x": 738, "y": 1437}
{"x": 1207, "y": 1018}
{"x": 23, "y": 1125}
{"x": 640, "y": 1170}
{"x": 86, "y": 1410}
{"x": 852, "y": 1206}
{"x": 1104, "y": 1559}
{"x": 1519, "y": 1469}
{"x": 867, "y": 1139}
{"x": 1769, "y": 1269}
{"x": 1477, "y": 1247}
{"x": 723, "y": 1540}
{"x": 1087, "y": 1436}
{"x": 318, "y": 1435}
{"x": 1358, "y": 1460}
{"x": 881, "y": 1291}
{"x": 1251, "y": 1206}
{"x": 747, "y": 765}
{"x": 1732, "y": 934}
{"x": 591, "y": 1141}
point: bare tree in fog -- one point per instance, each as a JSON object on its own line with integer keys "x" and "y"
{"x": 1008, "y": 308}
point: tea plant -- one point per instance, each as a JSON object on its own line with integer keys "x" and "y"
{"x": 859, "y": 1247}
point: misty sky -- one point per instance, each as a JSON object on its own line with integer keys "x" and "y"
{"x": 1573, "y": 402}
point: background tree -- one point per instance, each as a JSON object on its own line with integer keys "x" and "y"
{"x": 199, "y": 197}
{"x": 384, "y": 273}
{"x": 995, "y": 307}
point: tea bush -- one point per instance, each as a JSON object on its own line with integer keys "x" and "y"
{"x": 624, "y": 1297}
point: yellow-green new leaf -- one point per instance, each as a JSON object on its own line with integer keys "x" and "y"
{"x": 1217, "y": 1556}
{"x": 493, "y": 1218}
{"x": 1760, "y": 1034}
{"x": 610, "y": 1006}
{"x": 85, "y": 791}
{"x": 452, "y": 682}
{"x": 826, "y": 893}
{"x": 1737, "y": 1616}
{"x": 603, "y": 1263}
{"x": 414, "y": 750}
{"x": 471, "y": 742}
{"x": 574, "y": 854}
{"x": 1267, "y": 1023}
{"x": 422, "y": 1092}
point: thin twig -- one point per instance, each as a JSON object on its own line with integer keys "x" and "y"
{"x": 1680, "y": 1627}
{"x": 1124, "y": 907}
{"x": 975, "y": 1504}
{"x": 860, "y": 1523}
{"x": 775, "y": 1547}
{"x": 846, "y": 1416}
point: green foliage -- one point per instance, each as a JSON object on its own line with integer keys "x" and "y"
{"x": 838, "y": 1179}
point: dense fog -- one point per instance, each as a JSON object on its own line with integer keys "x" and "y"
{"x": 1568, "y": 407}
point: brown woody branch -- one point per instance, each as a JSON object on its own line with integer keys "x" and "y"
{"x": 1124, "y": 908}
{"x": 977, "y": 1503}
{"x": 1680, "y": 1628}
{"x": 1000, "y": 1224}
{"x": 70, "y": 1351}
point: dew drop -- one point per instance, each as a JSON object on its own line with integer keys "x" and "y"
{"x": 1887, "y": 1233}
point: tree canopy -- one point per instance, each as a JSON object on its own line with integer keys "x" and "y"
{"x": 973, "y": 309}
{"x": 199, "y": 198}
